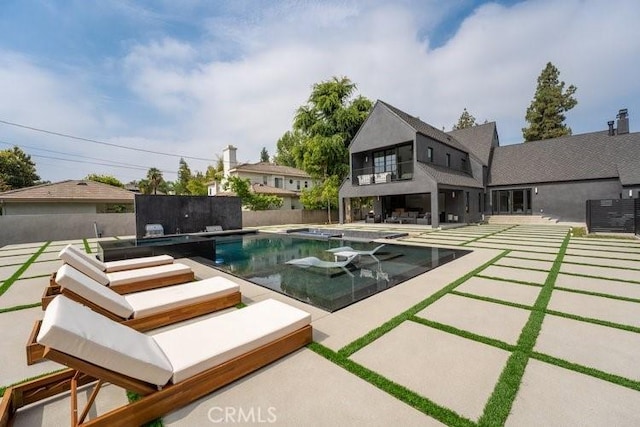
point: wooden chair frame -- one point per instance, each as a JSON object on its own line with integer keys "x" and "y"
{"x": 154, "y": 402}
{"x": 53, "y": 289}
{"x": 35, "y": 351}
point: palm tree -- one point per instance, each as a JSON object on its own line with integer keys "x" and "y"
{"x": 155, "y": 179}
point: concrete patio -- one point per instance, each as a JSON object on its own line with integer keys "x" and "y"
{"x": 533, "y": 327}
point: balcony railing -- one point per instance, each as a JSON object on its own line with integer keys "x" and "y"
{"x": 368, "y": 176}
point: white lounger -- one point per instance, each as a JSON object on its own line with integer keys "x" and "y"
{"x": 125, "y": 264}
{"x": 169, "y": 369}
{"x": 144, "y": 310}
{"x": 128, "y": 277}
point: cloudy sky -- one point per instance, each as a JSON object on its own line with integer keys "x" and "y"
{"x": 189, "y": 77}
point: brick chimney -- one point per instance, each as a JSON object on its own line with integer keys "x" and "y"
{"x": 623, "y": 122}
{"x": 229, "y": 159}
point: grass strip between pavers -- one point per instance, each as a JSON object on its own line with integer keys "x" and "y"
{"x": 603, "y": 266}
{"x": 504, "y": 279}
{"x": 616, "y": 279}
{"x": 607, "y": 323}
{"x": 20, "y": 307}
{"x": 87, "y": 247}
{"x": 487, "y": 235}
{"x": 598, "y": 294}
{"x": 504, "y": 394}
{"x": 411, "y": 398}
{"x": 16, "y": 275}
{"x": 491, "y": 300}
{"x": 376, "y": 333}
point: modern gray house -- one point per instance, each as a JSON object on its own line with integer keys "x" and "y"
{"x": 410, "y": 172}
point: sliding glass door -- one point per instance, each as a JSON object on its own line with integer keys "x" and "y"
{"x": 516, "y": 202}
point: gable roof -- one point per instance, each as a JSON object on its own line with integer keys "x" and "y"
{"x": 478, "y": 140}
{"x": 447, "y": 176}
{"x": 587, "y": 156}
{"x": 426, "y": 129}
{"x": 271, "y": 169}
{"x": 70, "y": 191}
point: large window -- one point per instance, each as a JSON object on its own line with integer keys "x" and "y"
{"x": 397, "y": 160}
{"x": 279, "y": 182}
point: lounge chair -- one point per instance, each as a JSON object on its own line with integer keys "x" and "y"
{"x": 122, "y": 282}
{"x": 144, "y": 310}
{"x": 344, "y": 250}
{"x": 169, "y": 370}
{"x": 123, "y": 265}
{"x": 312, "y": 261}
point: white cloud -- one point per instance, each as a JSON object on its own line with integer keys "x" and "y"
{"x": 241, "y": 81}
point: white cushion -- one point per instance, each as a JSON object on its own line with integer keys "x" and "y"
{"x": 73, "y": 280}
{"x": 199, "y": 346}
{"x": 90, "y": 258}
{"x": 162, "y": 299}
{"x": 81, "y": 264}
{"x": 132, "y": 264}
{"x": 76, "y": 330}
{"x": 131, "y": 276}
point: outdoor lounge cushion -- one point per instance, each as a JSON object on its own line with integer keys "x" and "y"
{"x": 198, "y": 346}
{"x": 145, "y": 303}
{"x": 179, "y": 353}
{"x": 76, "y": 330}
{"x": 131, "y": 276}
{"x": 81, "y": 263}
{"x": 125, "y": 264}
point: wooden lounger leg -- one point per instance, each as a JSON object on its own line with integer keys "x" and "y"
{"x": 75, "y": 420}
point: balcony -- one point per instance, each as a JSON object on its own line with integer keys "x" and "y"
{"x": 367, "y": 176}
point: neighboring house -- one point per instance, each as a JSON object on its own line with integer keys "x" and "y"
{"x": 66, "y": 197}
{"x": 416, "y": 173}
{"x": 266, "y": 178}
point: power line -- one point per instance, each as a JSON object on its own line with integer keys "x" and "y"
{"x": 79, "y": 138}
{"x": 96, "y": 163}
{"x": 69, "y": 154}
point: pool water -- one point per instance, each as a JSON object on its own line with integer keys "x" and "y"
{"x": 261, "y": 259}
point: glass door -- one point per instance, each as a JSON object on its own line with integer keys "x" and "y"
{"x": 518, "y": 202}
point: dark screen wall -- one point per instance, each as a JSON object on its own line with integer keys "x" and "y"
{"x": 187, "y": 214}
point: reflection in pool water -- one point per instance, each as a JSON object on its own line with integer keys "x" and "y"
{"x": 262, "y": 259}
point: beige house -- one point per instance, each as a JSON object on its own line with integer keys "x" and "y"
{"x": 266, "y": 178}
{"x": 66, "y": 197}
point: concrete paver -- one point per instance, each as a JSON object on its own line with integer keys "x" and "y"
{"x": 524, "y": 243}
{"x": 484, "y": 318}
{"x": 437, "y": 365}
{"x": 554, "y": 396}
{"x": 604, "y": 262}
{"x": 611, "y": 310}
{"x": 7, "y": 271}
{"x": 308, "y": 377}
{"x": 596, "y": 253}
{"x": 606, "y": 248}
{"x": 603, "y": 286}
{"x": 13, "y": 259}
{"x": 42, "y": 268}
{"x": 515, "y": 247}
{"x": 533, "y": 255}
{"x": 608, "y": 349}
{"x": 519, "y": 274}
{"x": 505, "y": 291}
{"x": 525, "y": 263}
{"x": 16, "y": 327}
{"x": 604, "y": 272}
{"x": 24, "y": 291}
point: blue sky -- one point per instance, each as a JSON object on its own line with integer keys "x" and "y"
{"x": 192, "y": 76}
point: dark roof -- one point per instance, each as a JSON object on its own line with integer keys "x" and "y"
{"x": 580, "y": 157}
{"x": 270, "y": 168}
{"x": 451, "y": 177}
{"x": 478, "y": 140}
{"x": 426, "y": 129}
{"x": 71, "y": 191}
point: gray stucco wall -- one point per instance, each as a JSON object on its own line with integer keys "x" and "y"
{"x": 567, "y": 200}
{"x": 40, "y": 228}
{"x": 440, "y": 152}
{"x": 59, "y": 208}
{"x": 381, "y": 129}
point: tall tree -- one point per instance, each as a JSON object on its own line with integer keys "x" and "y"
{"x": 252, "y": 201}
{"x": 327, "y": 123}
{"x": 545, "y": 115}
{"x": 466, "y": 120}
{"x": 181, "y": 186}
{"x": 154, "y": 180}
{"x": 105, "y": 179}
{"x": 289, "y": 150}
{"x": 264, "y": 155}
{"x": 17, "y": 170}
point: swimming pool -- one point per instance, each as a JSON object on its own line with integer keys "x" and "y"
{"x": 262, "y": 259}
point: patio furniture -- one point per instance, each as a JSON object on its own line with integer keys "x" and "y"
{"x": 345, "y": 251}
{"x": 144, "y": 310}
{"x": 113, "y": 266}
{"x": 317, "y": 262}
{"x": 365, "y": 179}
{"x": 169, "y": 370}
{"x": 424, "y": 219}
{"x": 122, "y": 282}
